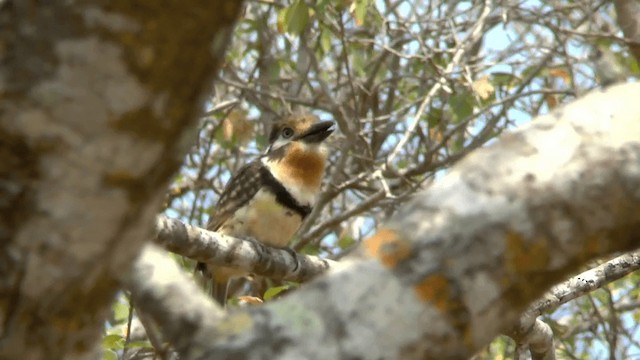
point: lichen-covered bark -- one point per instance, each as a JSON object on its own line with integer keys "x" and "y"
{"x": 98, "y": 102}
{"x": 459, "y": 263}
{"x": 185, "y": 314}
{"x": 250, "y": 256}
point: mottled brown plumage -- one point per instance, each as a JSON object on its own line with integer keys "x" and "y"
{"x": 239, "y": 190}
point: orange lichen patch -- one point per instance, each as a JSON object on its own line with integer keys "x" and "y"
{"x": 388, "y": 246}
{"x": 435, "y": 290}
{"x": 522, "y": 257}
{"x": 302, "y": 165}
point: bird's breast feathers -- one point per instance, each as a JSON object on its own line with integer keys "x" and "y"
{"x": 264, "y": 219}
{"x": 299, "y": 168}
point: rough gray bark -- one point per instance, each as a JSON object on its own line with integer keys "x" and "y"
{"x": 98, "y": 103}
{"x": 531, "y": 333}
{"x": 250, "y": 256}
{"x": 460, "y": 263}
{"x": 179, "y": 307}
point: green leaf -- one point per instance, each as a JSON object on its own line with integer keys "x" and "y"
{"x": 346, "y": 242}
{"x": 113, "y": 342}
{"x": 109, "y": 355}
{"x": 402, "y": 163}
{"x": 311, "y": 249}
{"x": 375, "y": 18}
{"x": 629, "y": 62}
{"x": 531, "y": 70}
{"x": 321, "y": 5}
{"x": 325, "y": 41}
{"x": 634, "y": 66}
{"x": 434, "y": 117}
{"x": 274, "y": 291}
{"x": 120, "y": 311}
{"x": 358, "y": 64}
{"x": 274, "y": 70}
{"x": 297, "y": 17}
{"x": 504, "y": 79}
{"x": 458, "y": 144}
{"x": 361, "y": 11}
{"x": 604, "y": 42}
{"x": 461, "y": 106}
{"x": 281, "y": 22}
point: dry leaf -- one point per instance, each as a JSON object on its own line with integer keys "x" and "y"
{"x": 561, "y": 73}
{"x": 435, "y": 135}
{"x": 483, "y": 87}
{"x": 249, "y": 300}
{"x": 551, "y": 100}
{"x": 237, "y": 126}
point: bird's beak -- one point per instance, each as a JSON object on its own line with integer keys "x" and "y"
{"x": 317, "y": 133}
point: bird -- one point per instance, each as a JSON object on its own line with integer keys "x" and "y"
{"x": 267, "y": 199}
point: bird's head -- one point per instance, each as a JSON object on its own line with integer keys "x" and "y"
{"x": 295, "y": 155}
{"x": 306, "y": 130}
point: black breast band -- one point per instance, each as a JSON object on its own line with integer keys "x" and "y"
{"x": 283, "y": 197}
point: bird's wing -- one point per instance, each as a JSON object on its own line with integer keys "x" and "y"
{"x": 241, "y": 188}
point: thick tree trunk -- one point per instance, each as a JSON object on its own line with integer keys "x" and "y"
{"x": 98, "y": 102}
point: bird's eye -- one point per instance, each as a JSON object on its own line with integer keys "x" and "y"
{"x": 287, "y": 132}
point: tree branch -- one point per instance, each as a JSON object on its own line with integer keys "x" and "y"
{"x": 252, "y": 256}
{"x": 185, "y": 314}
{"x": 586, "y": 282}
{"x": 533, "y": 332}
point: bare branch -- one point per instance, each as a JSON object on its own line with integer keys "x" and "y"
{"x": 539, "y": 339}
{"x": 474, "y": 36}
{"x": 586, "y": 282}
{"x": 533, "y": 332}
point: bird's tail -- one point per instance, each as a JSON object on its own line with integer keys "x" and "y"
{"x": 216, "y": 286}
{"x": 219, "y": 291}
{"x": 201, "y": 276}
